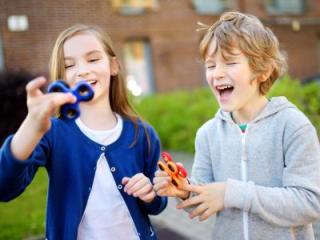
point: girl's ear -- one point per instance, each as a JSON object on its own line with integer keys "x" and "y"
{"x": 114, "y": 66}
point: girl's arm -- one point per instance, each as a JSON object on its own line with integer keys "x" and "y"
{"x": 40, "y": 109}
{"x": 159, "y": 203}
{"x": 23, "y": 153}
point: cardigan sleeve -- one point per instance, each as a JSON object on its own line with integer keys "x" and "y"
{"x": 16, "y": 175}
{"x": 152, "y": 157}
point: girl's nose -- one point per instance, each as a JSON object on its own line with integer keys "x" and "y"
{"x": 82, "y": 71}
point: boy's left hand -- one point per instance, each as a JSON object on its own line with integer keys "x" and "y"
{"x": 139, "y": 186}
{"x": 208, "y": 201}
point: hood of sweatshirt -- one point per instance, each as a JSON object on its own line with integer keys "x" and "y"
{"x": 275, "y": 105}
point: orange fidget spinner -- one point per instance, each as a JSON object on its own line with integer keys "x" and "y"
{"x": 175, "y": 170}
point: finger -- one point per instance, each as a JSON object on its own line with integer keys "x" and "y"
{"x": 157, "y": 180}
{"x": 59, "y": 99}
{"x": 160, "y": 173}
{"x": 132, "y": 182}
{"x": 143, "y": 190}
{"x": 161, "y": 185}
{"x": 190, "y": 187}
{"x": 163, "y": 192}
{"x": 208, "y": 213}
{"x": 140, "y": 184}
{"x": 190, "y": 202}
{"x": 33, "y": 87}
{"x": 199, "y": 210}
{"x": 148, "y": 197}
{"x": 125, "y": 180}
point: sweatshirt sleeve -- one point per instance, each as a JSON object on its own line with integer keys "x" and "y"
{"x": 159, "y": 203}
{"x": 297, "y": 202}
{"x": 16, "y": 175}
{"x": 202, "y": 167}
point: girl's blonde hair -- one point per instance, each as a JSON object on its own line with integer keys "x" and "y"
{"x": 257, "y": 42}
{"x": 118, "y": 96}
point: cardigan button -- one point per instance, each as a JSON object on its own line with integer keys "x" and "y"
{"x": 103, "y": 148}
{"x": 113, "y": 169}
{"x": 119, "y": 186}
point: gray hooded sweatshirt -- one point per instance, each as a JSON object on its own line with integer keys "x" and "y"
{"x": 272, "y": 173}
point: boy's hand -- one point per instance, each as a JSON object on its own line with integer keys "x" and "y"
{"x": 42, "y": 106}
{"x": 139, "y": 186}
{"x": 164, "y": 187}
{"x": 208, "y": 201}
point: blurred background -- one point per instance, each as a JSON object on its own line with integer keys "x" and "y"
{"x": 157, "y": 43}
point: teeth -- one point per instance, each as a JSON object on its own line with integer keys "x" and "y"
{"x": 91, "y": 81}
{"x": 222, "y": 87}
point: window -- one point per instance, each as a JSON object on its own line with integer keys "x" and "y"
{"x": 211, "y": 7}
{"x": 138, "y": 62}
{"x": 18, "y": 23}
{"x": 134, "y": 7}
{"x": 278, "y": 7}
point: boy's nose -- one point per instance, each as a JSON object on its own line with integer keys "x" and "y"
{"x": 219, "y": 72}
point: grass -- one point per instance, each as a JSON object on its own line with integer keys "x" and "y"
{"x": 24, "y": 217}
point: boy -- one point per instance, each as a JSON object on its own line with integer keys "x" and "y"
{"x": 257, "y": 162}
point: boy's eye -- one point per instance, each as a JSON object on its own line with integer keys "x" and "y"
{"x": 211, "y": 66}
{"x": 93, "y": 59}
{"x": 231, "y": 63}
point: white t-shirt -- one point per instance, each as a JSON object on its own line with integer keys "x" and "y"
{"x": 106, "y": 215}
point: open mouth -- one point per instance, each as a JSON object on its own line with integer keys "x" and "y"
{"x": 92, "y": 82}
{"x": 224, "y": 90}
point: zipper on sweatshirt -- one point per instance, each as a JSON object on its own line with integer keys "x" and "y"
{"x": 244, "y": 175}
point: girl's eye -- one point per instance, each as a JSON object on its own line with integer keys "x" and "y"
{"x": 231, "y": 63}
{"x": 211, "y": 66}
{"x": 68, "y": 66}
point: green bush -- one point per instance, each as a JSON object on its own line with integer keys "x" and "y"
{"x": 177, "y": 115}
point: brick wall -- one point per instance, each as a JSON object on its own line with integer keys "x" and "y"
{"x": 170, "y": 30}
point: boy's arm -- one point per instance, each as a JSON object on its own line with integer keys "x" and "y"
{"x": 298, "y": 201}
{"x": 202, "y": 167}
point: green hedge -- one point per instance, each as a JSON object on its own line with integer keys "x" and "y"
{"x": 177, "y": 115}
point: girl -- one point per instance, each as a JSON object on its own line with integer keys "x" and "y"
{"x": 100, "y": 165}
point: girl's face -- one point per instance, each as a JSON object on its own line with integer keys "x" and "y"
{"x": 232, "y": 80}
{"x": 86, "y": 59}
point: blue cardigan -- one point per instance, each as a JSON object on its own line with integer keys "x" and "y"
{"x": 70, "y": 159}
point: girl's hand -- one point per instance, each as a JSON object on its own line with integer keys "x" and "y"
{"x": 208, "y": 201}
{"x": 164, "y": 187}
{"x": 42, "y": 106}
{"x": 139, "y": 186}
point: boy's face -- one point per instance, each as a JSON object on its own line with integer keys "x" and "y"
{"x": 231, "y": 79}
{"x": 86, "y": 59}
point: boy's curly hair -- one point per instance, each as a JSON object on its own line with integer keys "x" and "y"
{"x": 257, "y": 42}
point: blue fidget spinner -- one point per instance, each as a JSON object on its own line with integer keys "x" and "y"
{"x": 82, "y": 91}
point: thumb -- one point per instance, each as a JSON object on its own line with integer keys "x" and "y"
{"x": 125, "y": 180}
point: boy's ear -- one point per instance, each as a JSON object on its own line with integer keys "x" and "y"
{"x": 264, "y": 76}
{"x": 114, "y": 66}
